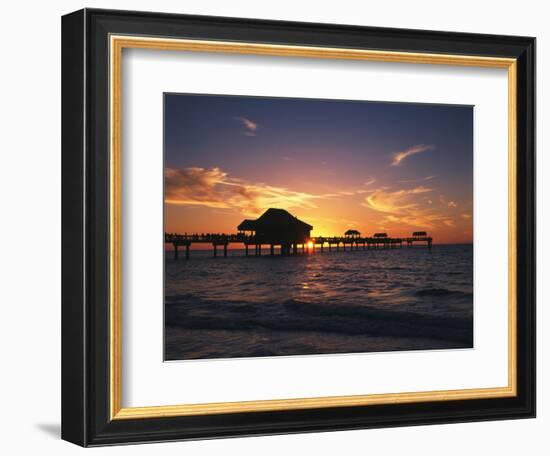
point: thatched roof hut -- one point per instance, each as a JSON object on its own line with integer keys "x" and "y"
{"x": 277, "y": 226}
{"x": 247, "y": 225}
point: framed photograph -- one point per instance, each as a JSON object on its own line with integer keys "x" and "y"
{"x": 277, "y": 227}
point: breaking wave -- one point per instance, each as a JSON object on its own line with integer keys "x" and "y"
{"x": 191, "y": 312}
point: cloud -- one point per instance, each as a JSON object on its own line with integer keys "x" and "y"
{"x": 371, "y": 181}
{"x": 353, "y": 192}
{"x": 194, "y": 186}
{"x": 403, "y": 207}
{"x": 422, "y": 179}
{"x": 250, "y": 126}
{"x": 446, "y": 202}
{"x": 393, "y": 201}
{"x": 215, "y": 188}
{"x": 359, "y": 191}
{"x": 398, "y": 157}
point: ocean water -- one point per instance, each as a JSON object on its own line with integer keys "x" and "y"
{"x": 320, "y": 303}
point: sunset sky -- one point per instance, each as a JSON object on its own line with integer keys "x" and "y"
{"x": 336, "y": 165}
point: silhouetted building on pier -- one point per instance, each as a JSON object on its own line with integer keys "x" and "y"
{"x": 420, "y": 234}
{"x": 277, "y": 227}
{"x": 353, "y": 234}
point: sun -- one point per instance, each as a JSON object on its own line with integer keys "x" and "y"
{"x": 310, "y": 245}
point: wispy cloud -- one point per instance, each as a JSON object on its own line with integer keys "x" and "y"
{"x": 371, "y": 181}
{"x": 215, "y": 188}
{"x": 249, "y": 126}
{"x": 406, "y": 207}
{"x": 383, "y": 200}
{"x": 446, "y": 202}
{"x": 398, "y": 157}
{"x": 341, "y": 193}
{"x": 421, "y": 179}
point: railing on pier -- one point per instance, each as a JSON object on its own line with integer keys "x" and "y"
{"x": 220, "y": 239}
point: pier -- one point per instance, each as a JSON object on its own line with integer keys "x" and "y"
{"x": 254, "y": 247}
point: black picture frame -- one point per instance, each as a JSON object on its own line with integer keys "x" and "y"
{"x": 85, "y": 224}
